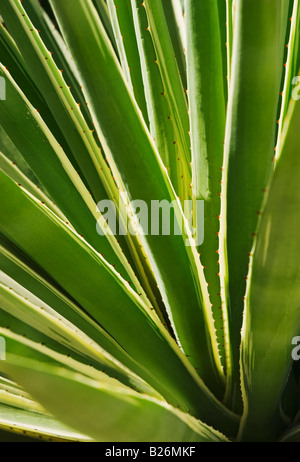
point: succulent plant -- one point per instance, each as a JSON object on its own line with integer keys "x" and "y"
{"x": 143, "y": 335}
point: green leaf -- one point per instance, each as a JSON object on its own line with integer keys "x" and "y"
{"x": 14, "y": 61}
{"x": 103, "y": 12}
{"x": 11, "y": 436}
{"x": 47, "y": 323}
{"x": 34, "y": 425}
{"x": 175, "y": 264}
{"x": 20, "y": 121}
{"x": 272, "y": 317}
{"x": 11, "y": 170}
{"x": 292, "y": 68}
{"x": 222, "y": 13}
{"x": 19, "y": 401}
{"x": 122, "y": 22}
{"x": 39, "y": 322}
{"x": 111, "y": 302}
{"x": 207, "y": 120}
{"x": 110, "y": 413}
{"x": 49, "y": 79}
{"x": 249, "y": 150}
{"x": 9, "y": 150}
{"x": 36, "y": 346}
{"x": 54, "y": 43}
{"x": 173, "y": 91}
{"x": 176, "y": 25}
{"x": 34, "y": 279}
{"x": 161, "y": 125}
{"x": 229, "y": 26}
{"x": 292, "y": 436}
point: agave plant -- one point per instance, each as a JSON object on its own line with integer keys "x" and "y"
{"x": 108, "y": 335}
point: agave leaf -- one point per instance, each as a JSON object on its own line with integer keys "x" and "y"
{"x": 49, "y": 353}
{"x": 173, "y": 91}
{"x": 33, "y": 279}
{"x": 11, "y": 170}
{"x": 249, "y": 149}
{"x": 16, "y": 390}
{"x": 161, "y": 125}
{"x": 122, "y": 22}
{"x": 207, "y": 120}
{"x": 48, "y": 324}
{"x": 9, "y": 150}
{"x": 29, "y": 278}
{"x": 290, "y": 400}
{"x": 106, "y": 413}
{"x": 79, "y": 136}
{"x": 49, "y": 79}
{"x": 229, "y": 33}
{"x": 35, "y": 425}
{"x": 26, "y": 332}
{"x": 178, "y": 8}
{"x": 19, "y": 402}
{"x": 103, "y": 12}
{"x": 45, "y": 325}
{"x": 21, "y": 122}
{"x": 14, "y": 396}
{"x": 21, "y": 268}
{"x": 11, "y": 436}
{"x": 176, "y": 25}
{"x": 272, "y": 307}
{"x": 54, "y": 43}
{"x": 11, "y": 387}
{"x": 297, "y": 51}
{"x": 146, "y": 104}
{"x": 291, "y": 436}
{"x": 124, "y": 132}
{"x": 222, "y": 13}
{"x": 13, "y": 60}
{"x": 111, "y": 302}
{"x": 292, "y": 68}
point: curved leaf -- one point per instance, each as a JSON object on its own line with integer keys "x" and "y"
{"x": 107, "y": 413}
{"x": 272, "y": 317}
